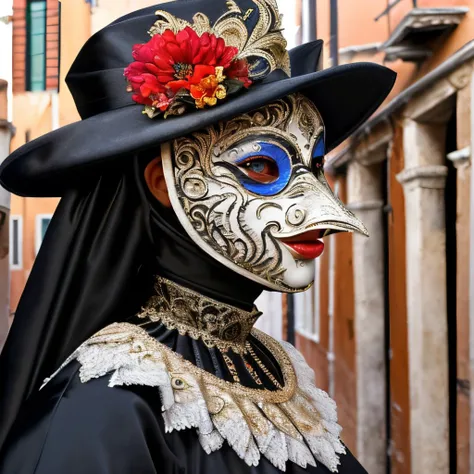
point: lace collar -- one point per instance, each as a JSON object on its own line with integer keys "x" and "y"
{"x": 297, "y": 423}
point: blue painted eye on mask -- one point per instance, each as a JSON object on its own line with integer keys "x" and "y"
{"x": 317, "y": 160}
{"x": 283, "y": 162}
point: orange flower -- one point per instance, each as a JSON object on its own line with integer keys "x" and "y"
{"x": 209, "y": 89}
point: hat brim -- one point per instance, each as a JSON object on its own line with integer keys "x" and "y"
{"x": 345, "y": 96}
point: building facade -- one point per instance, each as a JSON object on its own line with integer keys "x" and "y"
{"x": 387, "y": 326}
{"x": 6, "y": 132}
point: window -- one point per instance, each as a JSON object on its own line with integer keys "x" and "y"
{"x": 16, "y": 242}
{"x": 36, "y": 41}
{"x": 307, "y": 308}
{"x": 42, "y": 223}
{"x": 36, "y": 45}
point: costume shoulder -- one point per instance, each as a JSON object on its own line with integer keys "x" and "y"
{"x": 102, "y": 412}
{"x": 76, "y": 428}
{"x": 296, "y": 424}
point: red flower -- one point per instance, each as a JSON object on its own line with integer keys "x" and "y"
{"x": 171, "y": 62}
{"x": 239, "y": 70}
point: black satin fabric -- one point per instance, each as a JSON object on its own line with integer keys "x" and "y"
{"x": 92, "y": 269}
{"x": 179, "y": 259}
{"x": 75, "y": 428}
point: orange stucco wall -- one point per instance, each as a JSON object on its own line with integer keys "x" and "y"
{"x": 110, "y": 10}
{"x": 75, "y": 30}
{"x": 357, "y": 25}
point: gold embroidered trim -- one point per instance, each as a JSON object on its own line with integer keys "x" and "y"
{"x": 216, "y": 324}
{"x": 262, "y": 366}
{"x": 143, "y": 343}
{"x": 230, "y": 365}
{"x": 252, "y": 372}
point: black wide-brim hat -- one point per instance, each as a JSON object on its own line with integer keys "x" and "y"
{"x": 113, "y": 126}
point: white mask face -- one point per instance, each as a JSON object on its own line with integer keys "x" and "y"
{"x": 251, "y": 192}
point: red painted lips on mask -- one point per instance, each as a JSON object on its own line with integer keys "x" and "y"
{"x": 307, "y": 246}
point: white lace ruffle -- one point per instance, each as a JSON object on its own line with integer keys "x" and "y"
{"x": 302, "y": 430}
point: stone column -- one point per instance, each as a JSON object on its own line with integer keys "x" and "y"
{"x": 471, "y": 279}
{"x": 462, "y": 162}
{"x": 424, "y": 180}
{"x": 365, "y": 198}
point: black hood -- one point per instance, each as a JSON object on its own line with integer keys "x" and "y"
{"x": 97, "y": 265}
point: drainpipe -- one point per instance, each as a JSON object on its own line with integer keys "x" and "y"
{"x": 309, "y": 20}
{"x": 332, "y": 298}
{"x": 334, "y": 49}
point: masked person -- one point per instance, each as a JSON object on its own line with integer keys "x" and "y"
{"x": 188, "y": 188}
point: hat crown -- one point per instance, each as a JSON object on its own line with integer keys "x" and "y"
{"x": 253, "y": 27}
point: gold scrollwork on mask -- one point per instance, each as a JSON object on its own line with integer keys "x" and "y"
{"x": 219, "y": 214}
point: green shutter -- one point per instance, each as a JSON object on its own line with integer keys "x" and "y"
{"x": 36, "y": 52}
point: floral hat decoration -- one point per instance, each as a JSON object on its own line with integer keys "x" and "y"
{"x": 198, "y": 64}
{"x": 195, "y": 63}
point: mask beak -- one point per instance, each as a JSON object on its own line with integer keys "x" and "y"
{"x": 337, "y": 218}
{"x": 323, "y": 212}
{"x": 336, "y": 226}
{"x": 334, "y": 216}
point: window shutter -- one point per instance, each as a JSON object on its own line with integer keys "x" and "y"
{"x": 19, "y": 46}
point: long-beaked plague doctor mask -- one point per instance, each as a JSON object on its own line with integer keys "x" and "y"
{"x": 251, "y": 192}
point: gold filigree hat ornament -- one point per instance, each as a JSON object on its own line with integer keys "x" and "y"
{"x": 198, "y": 64}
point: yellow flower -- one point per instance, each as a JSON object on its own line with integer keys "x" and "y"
{"x": 210, "y": 89}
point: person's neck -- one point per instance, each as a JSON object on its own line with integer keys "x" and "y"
{"x": 218, "y": 324}
{"x": 180, "y": 260}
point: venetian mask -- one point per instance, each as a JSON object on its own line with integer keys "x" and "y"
{"x": 251, "y": 192}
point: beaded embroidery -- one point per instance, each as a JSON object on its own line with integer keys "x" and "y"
{"x": 216, "y": 324}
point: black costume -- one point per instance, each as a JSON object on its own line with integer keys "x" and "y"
{"x": 116, "y": 261}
